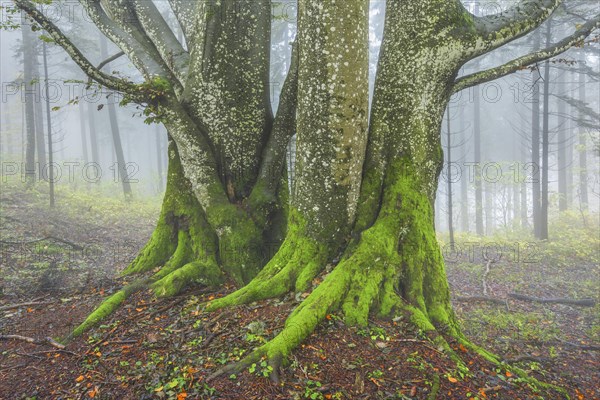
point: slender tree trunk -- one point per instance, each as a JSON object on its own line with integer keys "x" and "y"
{"x": 535, "y": 146}
{"x": 93, "y": 134}
{"x": 515, "y": 184}
{"x": 49, "y": 128}
{"x": 121, "y": 167}
{"x": 523, "y": 177}
{"x": 449, "y": 178}
{"x": 159, "y": 159}
{"x": 477, "y": 152}
{"x": 464, "y": 179}
{"x": 490, "y": 209}
{"x": 28, "y": 55}
{"x": 40, "y": 141}
{"x": 583, "y": 168}
{"x": 570, "y": 137}
{"x": 82, "y": 128}
{"x": 543, "y": 234}
{"x": 562, "y": 143}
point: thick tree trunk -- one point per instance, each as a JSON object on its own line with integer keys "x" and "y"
{"x": 369, "y": 224}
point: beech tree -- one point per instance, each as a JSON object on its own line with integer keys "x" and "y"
{"x": 360, "y": 215}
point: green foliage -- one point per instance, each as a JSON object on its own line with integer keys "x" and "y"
{"x": 262, "y": 369}
{"x": 311, "y": 390}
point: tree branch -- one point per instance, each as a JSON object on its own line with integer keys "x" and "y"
{"x": 284, "y": 128}
{"x": 162, "y": 37}
{"x": 126, "y": 41}
{"x": 110, "y": 59}
{"x": 498, "y": 29}
{"x": 184, "y": 11}
{"x": 86, "y": 66}
{"x": 519, "y": 63}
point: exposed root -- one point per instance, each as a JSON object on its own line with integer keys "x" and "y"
{"x": 294, "y": 266}
{"x": 108, "y": 306}
{"x": 207, "y": 273}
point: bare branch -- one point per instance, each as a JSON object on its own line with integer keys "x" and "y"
{"x": 87, "y": 67}
{"x": 110, "y": 59}
{"x": 162, "y": 37}
{"x": 501, "y": 28}
{"x": 137, "y": 53}
{"x": 284, "y": 128}
{"x": 519, "y": 63}
{"x": 184, "y": 11}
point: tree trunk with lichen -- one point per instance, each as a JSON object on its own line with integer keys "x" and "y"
{"x": 361, "y": 213}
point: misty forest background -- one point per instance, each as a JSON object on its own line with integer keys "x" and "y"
{"x": 517, "y": 207}
{"x": 493, "y": 135}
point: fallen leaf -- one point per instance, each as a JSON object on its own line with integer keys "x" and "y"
{"x": 413, "y": 391}
{"x": 453, "y": 380}
{"x": 80, "y": 378}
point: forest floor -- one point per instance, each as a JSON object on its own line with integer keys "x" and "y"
{"x": 68, "y": 260}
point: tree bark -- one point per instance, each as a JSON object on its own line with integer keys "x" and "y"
{"x": 121, "y": 166}
{"x": 543, "y": 232}
{"x": 583, "y": 168}
{"x": 49, "y": 127}
{"x": 28, "y": 54}
{"x": 535, "y": 146}
{"x": 40, "y": 141}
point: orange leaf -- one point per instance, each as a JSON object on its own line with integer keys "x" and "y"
{"x": 93, "y": 393}
{"x": 181, "y": 396}
{"x": 508, "y": 374}
{"x": 80, "y": 378}
{"x": 453, "y": 380}
{"x": 30, "y": 310}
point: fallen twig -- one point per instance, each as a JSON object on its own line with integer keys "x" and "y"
{"x": 64, "y": 241}
{"x": 555, "y": 300}
{"x": 31, "y": 303}
{"x": 525, "y": 358}
{"x": 47, "y": 340}
{"x": 580, "y": 346}
{"x": 489, "y": 299}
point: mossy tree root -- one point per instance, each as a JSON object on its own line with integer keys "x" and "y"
{"x": 108, "y": 306}
{"x": 297, "y": 262}
{"x": 375, "y": 277}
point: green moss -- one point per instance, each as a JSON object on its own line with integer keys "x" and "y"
{"x": 292, "y": 268}
{"x": 207, "y": 274}
{"x": 108, "y": 306}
